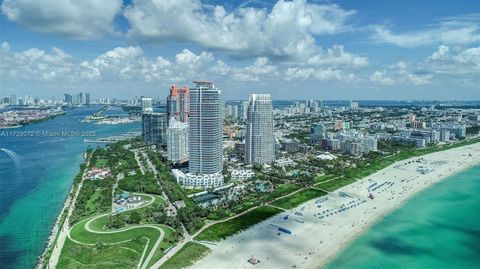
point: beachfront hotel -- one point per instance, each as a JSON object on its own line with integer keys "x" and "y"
{"x": 197, "y": 181}
{"x": 206, "y": 129}
{"x": 259, "y": 140}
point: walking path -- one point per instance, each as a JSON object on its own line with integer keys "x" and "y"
{"x": 143, "y": 263}
{"x": 277, "y": 207}
{"x": 57, "y": 250}
{"x": 176, "y": 248}
{"x": 137, "y": 158}
{"x": 318, "y": 189}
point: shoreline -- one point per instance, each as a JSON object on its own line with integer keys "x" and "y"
{"x": 31, "y": 122}
{"x": 51, "y": 241}
{"x": 54, "y": 232}
{"x": 397, "y": 184}
{"x": 378, "y": 218}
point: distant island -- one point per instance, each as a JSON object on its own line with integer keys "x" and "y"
{"x": 18, "y": 118}
{"x": 99, "y": 118}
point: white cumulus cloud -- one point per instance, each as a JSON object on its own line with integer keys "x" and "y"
{"x": 336, "y": 56}
{"x": 455, "y": 31}
{"x": 83, "y": 19}
{"x": 285, "y": 33}
{"x": 35, "y": 64}
{"x": 381, "y": 78}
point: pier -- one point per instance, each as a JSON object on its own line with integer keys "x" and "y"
{"x": 100, "y": 112}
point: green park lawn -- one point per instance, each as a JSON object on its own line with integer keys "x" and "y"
{"x": 74, "y": 255}
{"x": 123, "y": 255}
{"x": 99, "y": 223}
{"x": 222, "y": 230}
{"x": 298, "y": 198}
{"x": 254, "y": 199}
{"x": 335, "y": 184}
{"x": 167, "y": 242}
{"x": 323, "y": 178}
{"x": 100, "y": 163}
{"x": 92, "y": 202}
{"x": 80, "y": 234}
{"x": 187, "y": 256}
{"x": 249, "y": 201}
{"x": 282, "y": 190}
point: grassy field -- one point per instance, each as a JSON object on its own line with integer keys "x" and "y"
{"x": 100, "y": 163}
{"x": 91, "y": 202}
{"x": 80, "y": 234}
{"x": 298, "y": 198}
{"x": 99, "y": 223}
{"x": 186, "y": 256}
{"x": 222, "y": 230}
{"x": 124, "y": 255}
{"x": 282, "y": 190}
{"x": 133, "y": 242}
{"x": 167, "y": 242}
{"x": 249, "y": 201}
{"x": 106, "y": 257}
{"x": 323, "y": 178}
{"x": 254, "y": 199}
{"x": 335, "y": 184}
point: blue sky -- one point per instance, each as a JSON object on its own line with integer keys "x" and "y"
{"x": 293, "y": 49}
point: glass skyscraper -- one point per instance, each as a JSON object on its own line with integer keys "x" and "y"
{"x": 177, "y": 141}
{"x": 206, "y": 129}
{"x": 154, "y": 126}
{"x": 259, "y": 142}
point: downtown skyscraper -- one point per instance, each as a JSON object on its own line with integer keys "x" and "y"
{"x": 206, "y": 129}
{"x": 147, "y": 105}
{"x": 177, "y": 104}
{"x": 259, "y": 140}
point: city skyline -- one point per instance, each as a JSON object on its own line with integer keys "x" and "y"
{"x": 237, "y": 134}
{"x": 332, "y": 50}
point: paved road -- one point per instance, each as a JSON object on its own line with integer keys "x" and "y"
{"x": 137, "y": 158}
{"x": 171, "y": 208}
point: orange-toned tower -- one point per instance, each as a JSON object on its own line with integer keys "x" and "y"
{"x": 177, "y": 103}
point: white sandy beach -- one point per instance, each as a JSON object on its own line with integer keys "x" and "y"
{"x": 330, "y": 224}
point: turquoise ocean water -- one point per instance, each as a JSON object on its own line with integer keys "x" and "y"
{"x": 438, "y": 228}
{"x": 35, "y": 183}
